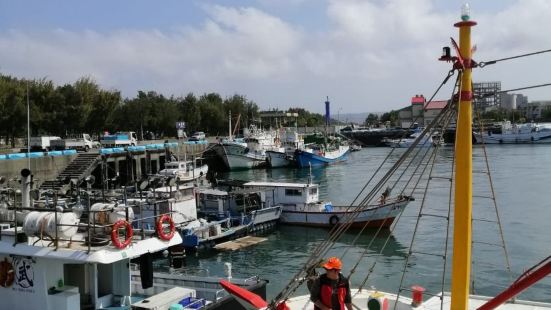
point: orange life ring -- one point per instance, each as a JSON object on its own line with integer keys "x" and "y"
{"x": 115, "y": 234}
{"x": 160, "y": 229}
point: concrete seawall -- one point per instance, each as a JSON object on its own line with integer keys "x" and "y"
{"x": 48, "y": 167}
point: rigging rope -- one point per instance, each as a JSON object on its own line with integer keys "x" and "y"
{"x": 338, "y": 230}
{"x": 484, "y": 95}
{"x": 483, "y": 64}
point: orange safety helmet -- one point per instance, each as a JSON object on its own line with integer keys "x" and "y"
{"x": 333, "y": 263}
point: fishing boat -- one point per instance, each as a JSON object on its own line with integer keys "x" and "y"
{"x": 301, "y": 206}
{"x": 461, "y": 190}
{"x": 291, "y": 141}
{"x": 331, "y": 151}
{"x": 248, "y": 153}
{"x": 61, "y": 253}
{"x": 184, "y": 171}
{"x": 530, "y": 133}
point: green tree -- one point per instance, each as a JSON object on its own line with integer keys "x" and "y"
{"x": 372, "y": 119}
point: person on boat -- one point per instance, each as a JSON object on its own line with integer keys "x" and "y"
{"x": 331, "y": 291}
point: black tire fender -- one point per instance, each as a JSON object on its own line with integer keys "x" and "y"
{"x": 334, "y": 220}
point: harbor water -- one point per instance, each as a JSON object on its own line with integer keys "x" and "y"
{"x": 521, "y": 177}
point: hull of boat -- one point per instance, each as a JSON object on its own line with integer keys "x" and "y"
{"x": 374, "y": 216}
{"x": 375, "y": 137}
{"x": 237, "y": 156}
{"x": 521, "y": 138}
{"x": 237, "y": 162}
{"x": 306, "y": 159}
{"x": 278, "y": 159}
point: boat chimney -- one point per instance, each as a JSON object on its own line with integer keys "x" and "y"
{"x": 26, "y": 181}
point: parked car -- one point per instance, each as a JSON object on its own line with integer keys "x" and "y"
{"x": 197, "y": 136}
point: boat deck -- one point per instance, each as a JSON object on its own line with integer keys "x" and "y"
{"x": 360, "y": 299}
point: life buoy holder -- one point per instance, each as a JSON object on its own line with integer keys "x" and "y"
{"x": 334, "y": 220}
{"x": 115, "y": 234}
{"x": 165, "y": 218}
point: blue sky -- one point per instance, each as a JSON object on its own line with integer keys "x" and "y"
{"x": 367, "y": 56}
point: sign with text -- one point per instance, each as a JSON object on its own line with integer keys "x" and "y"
{"x": 180, "y": 125}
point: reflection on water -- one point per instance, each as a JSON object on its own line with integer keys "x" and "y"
{"x": 521, "y": 177}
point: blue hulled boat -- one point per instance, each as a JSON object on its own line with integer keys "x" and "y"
{"x": 320, "y": 157}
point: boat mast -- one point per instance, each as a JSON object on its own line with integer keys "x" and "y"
{"x": 327, "y": 120}
{"x": 461, "y": 261}
{"x": 229, "y": 126}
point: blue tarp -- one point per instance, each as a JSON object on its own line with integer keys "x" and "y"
{"x": 17, "y": 155}
{"x": 155, "y": 146}
{"x": 118, "y": 150}
{"x": 2, "y": 156}
{"x": 138, "y": 148}
{"x": 171, "y": 144}
{"x": 35, "y": 154}
{"x": 55, "y": 153}
{"x": 69, "y": 152}
{"x": 106, "y": 151}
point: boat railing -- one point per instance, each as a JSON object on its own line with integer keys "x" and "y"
{"x": 90, "y": 234}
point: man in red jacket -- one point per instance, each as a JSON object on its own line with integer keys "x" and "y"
{"x": 331, "y": 291}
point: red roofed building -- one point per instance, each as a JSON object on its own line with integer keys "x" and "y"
{"x": 432, "y": 109}
{"x": 420, "y": 112}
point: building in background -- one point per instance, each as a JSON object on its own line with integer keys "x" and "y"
{"x": 487, "y": 96}
{"x": 420, "y": 111}
{"x": 532, "y": 111}
{"x": 513, "y": 101}
{"x": 276, "y": 119}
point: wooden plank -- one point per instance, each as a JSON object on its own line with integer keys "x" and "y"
{"x": 239, "y": 243}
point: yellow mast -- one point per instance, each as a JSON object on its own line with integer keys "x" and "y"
{"x": 461, "y": 261}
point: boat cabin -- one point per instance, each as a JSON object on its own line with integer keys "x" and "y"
{"x": 280, "y": 193}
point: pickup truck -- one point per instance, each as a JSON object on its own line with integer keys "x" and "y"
{"x": 42, "y": 143}
{"x": 82, "y": 143}
{"x": 127, "y": 138}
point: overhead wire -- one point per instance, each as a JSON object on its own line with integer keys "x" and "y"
{"x": 482, "y": 64}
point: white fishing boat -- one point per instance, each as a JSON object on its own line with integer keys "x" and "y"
{"x": 285, "y": 157}
{"x": 460, "y": 194}
{"x": 184, "y": 171}
{"x": 301, "y": 206}
{"x": 251, "y": 153}
{"x": 530, "y": 133}
{"x": 57, "y": 256}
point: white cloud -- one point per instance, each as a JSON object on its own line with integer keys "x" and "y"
{"x": 372, "y": 56}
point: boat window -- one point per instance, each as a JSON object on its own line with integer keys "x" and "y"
{"x": 313, "y": 191}
{"x": 293, "y": 192}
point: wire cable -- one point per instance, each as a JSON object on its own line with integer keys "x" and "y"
{"x": 491, "y": 62}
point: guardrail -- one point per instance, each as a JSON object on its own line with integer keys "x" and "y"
{"x": 103, "y": 151}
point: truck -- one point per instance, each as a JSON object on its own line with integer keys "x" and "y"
{"x": 41, "y": 143}
{"x": 122, "y": 138}
{"x": 82, "y": 142}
